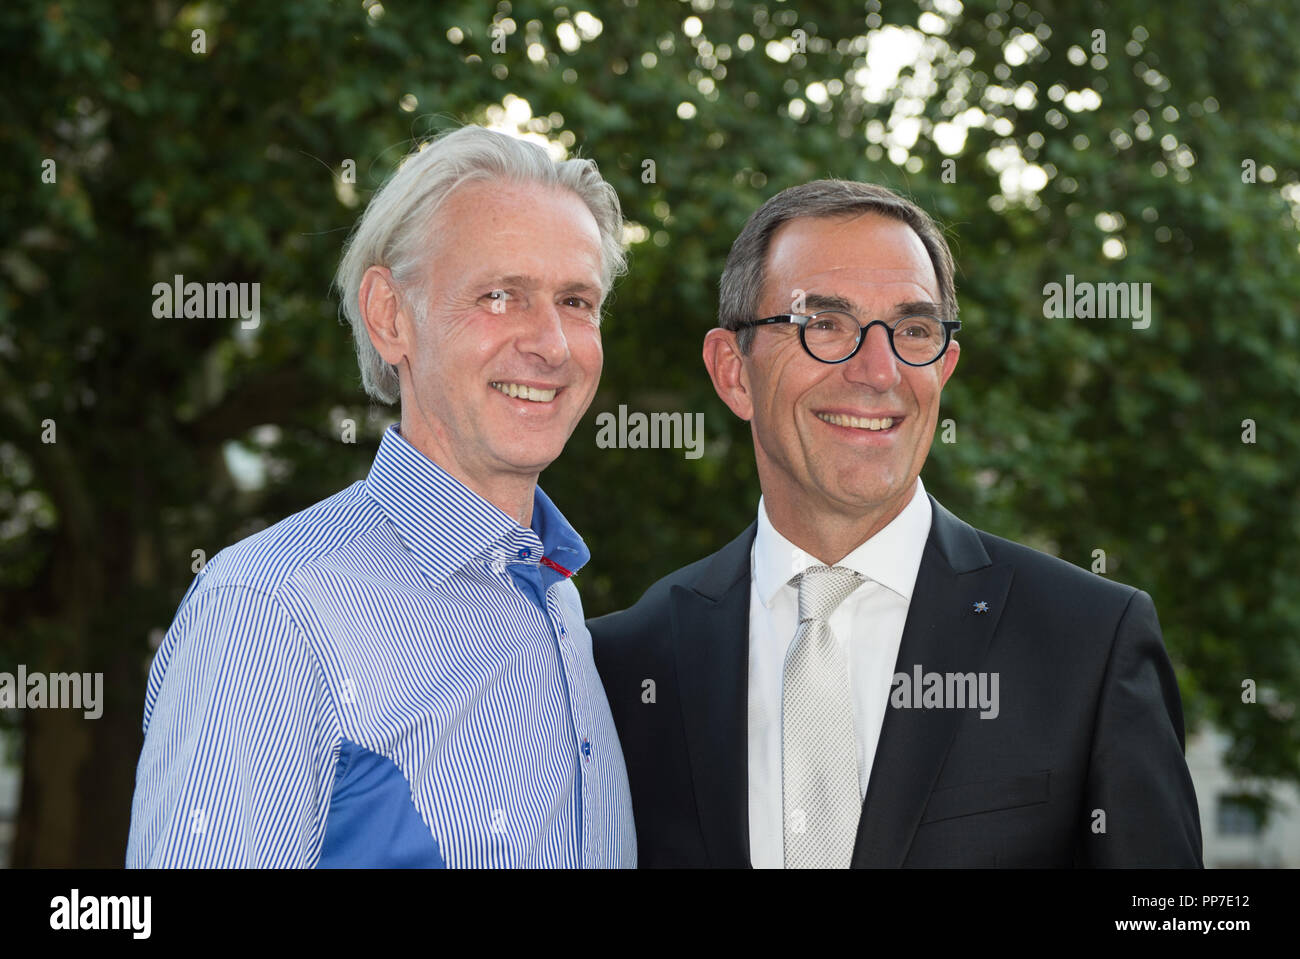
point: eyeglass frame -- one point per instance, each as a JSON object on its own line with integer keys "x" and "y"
{"x": 802, "y": 319}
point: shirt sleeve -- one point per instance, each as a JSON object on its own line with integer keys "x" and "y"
{"x": 240, "y": 736}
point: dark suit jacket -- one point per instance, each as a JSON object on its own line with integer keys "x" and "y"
{"x": 1083, "y": 766}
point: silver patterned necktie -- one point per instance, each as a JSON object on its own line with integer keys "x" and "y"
{"x": 819, "y": 756}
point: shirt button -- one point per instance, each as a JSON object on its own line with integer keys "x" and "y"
{"x": 586, "y": 750}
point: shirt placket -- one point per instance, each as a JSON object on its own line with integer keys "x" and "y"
{"x": 575, "y": 683}
{"x": 526, "y": 548}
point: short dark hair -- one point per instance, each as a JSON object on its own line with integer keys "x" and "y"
{"x": 742, "y": 278}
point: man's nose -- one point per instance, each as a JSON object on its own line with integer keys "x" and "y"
{"x": 543, "y": 334}
{"x": 875, "y": 364}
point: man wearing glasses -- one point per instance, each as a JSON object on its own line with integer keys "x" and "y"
{"x": 860, "y": 678}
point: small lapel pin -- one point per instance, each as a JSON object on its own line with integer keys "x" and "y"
{"x": 981, "y": 607}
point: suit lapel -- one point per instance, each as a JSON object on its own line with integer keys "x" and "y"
{"x": 710, "y": 622}
{"x": 943, "y": 633}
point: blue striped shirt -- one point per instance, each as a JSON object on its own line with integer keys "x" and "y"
{"x": 399, "y": 675}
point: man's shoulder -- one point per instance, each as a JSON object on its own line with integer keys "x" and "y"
{"x": 656, "y": 597}
{"x": 233, "y": 617}
{"x": 1037, "y": 572}
{"x": 1043, "y": 573}
{"x": 709, "y": 576}
{"x": 651, "y": 608}
{"x": 266, "y": 560}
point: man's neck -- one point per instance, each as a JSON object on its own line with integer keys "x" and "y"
{"x": 826, "y": 534}
{"x": 510, "y": 493}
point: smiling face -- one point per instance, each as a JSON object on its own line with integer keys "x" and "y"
{"x": 842, "y": 442}
{"x": 508, "y": 357}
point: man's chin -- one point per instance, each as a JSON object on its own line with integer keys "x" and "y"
{"x": 530, "y": 459}
{"x": 866, "y": 495}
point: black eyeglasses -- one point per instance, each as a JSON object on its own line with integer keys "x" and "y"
{"x": 832, "y": 336}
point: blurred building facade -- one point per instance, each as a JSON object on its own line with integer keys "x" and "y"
{"x": 9, "y": 783}
{"x": 1231, "y": 832}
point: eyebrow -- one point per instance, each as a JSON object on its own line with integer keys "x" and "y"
{"x": 815, "y": 302}
{"x": 514, "y": 279}
{"x": 528, "y": 282}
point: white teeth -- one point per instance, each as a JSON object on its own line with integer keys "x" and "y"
{"x": 521, "y": 392}
{"x": 857, "y": 422}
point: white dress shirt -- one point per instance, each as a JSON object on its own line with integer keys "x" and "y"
{"x": 870, "y": 621}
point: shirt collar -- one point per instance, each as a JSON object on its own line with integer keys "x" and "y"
{"x": 564, "y": 551}
{"x": 891, "y": 558}
{"x": 446, "y": 525}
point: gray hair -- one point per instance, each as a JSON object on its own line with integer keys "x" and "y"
{"x": 393, "y": 231}
{"x": 742, "y": 278}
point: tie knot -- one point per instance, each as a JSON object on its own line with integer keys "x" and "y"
{"x": 822, "y": 589}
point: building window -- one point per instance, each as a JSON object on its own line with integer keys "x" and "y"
{"x": 1238, "y": 816}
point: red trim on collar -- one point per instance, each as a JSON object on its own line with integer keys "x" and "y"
{"x": 556, "y": 566}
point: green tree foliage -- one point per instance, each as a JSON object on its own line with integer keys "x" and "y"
{"x": 228, "y": 165}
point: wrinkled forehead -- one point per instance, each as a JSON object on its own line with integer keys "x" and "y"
{"x": 853, "y": 287}
{"x": 488, "y": 228}
{"x": 869, "y": 257}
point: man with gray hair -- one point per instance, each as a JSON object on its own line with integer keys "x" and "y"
{"x": 860, "y": 678}
{"x": 400, "y": 674}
